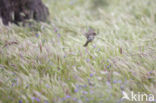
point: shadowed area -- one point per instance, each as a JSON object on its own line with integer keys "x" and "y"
{"x": 15, "y": 11}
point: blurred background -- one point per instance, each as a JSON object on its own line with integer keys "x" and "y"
{"x": 47, "y": 63}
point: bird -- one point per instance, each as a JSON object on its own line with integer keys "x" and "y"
{"x": 90, "y": 35}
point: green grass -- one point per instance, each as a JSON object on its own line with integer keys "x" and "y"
{"x": 49, "y": 63}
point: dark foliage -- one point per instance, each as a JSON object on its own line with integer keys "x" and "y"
{"x": 16, "y": 11}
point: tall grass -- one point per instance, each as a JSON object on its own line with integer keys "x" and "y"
{"x": 47, "y": 63}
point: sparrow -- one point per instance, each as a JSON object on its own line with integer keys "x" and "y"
{"x": 90, "y": 35}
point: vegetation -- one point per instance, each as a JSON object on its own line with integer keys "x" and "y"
{"x": 47, "y": 63}
{"x": 15, "y": 11}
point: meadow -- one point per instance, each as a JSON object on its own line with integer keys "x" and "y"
{"x": 47, "y": 63}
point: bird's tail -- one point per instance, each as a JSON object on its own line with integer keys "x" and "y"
{"x": 86, "y": 43}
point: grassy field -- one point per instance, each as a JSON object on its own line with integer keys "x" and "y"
{"x": 47, "y": 63}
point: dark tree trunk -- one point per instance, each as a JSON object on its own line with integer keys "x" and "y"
{"x": 15, "y": 11}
